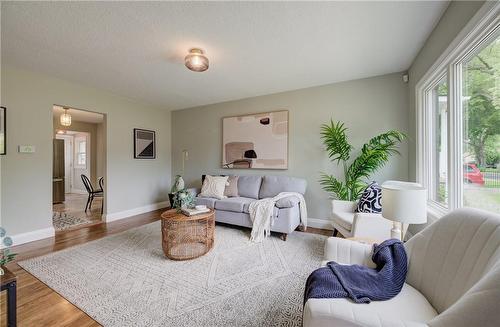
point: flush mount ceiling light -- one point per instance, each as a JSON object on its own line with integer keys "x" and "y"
{"x": 65, "y": 118}
{"x": 196, "y": 60}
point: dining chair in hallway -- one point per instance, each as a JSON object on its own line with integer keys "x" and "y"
{"x": 101, "y": 185}
{"x": 92, "y": 194}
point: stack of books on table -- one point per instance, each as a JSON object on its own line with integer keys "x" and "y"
{"x": 191, "y": 212}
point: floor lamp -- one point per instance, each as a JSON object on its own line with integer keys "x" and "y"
{"x": 185, "y": 157}
{"x": 403, "y": 202}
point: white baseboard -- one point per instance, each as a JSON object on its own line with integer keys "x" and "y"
{"x": 136, "y": 211}
{"x": 35, "y": 235}
{"x": 319, "y": 223}
{"x": 39, "y": 234}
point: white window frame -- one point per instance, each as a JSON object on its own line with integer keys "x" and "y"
{"x": 479, "y": 30}
{"x": 77, "y": 141}
{"x": 429, "y": 140}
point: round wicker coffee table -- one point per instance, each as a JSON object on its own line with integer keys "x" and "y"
{"x": 186, "y": 237}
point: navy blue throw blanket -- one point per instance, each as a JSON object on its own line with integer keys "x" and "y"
{"x": 360, "y": 283}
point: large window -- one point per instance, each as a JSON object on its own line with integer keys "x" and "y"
{"x": 458, "y": 134}
{"x": 481, "y": 127}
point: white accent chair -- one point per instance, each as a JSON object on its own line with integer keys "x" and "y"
{"x": 453, "y": 278}
{"x": 358, "y": 224}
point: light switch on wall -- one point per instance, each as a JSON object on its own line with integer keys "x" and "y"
{"x": 26, "y": 149}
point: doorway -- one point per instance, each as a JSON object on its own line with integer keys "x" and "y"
{"x": 79, "y": 163}
{"x": 77, "y": 159}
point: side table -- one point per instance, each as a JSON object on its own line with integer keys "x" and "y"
{"x": 186, "y": 237}
{"x": 9, "y": 283}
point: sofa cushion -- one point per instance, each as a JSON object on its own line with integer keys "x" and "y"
{"x": 209, "y": 202}
{"x": 288, "y": 202}
{"x": 273, "y": 185}
{"x": 236, "y": 204}
{"x": 370, "y": 201}
{"x": 231, "y": 187}
{"x": 249, "y": 186}
{"x": 214, "y": 186}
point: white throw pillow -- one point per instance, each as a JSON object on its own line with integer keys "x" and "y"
{"x": 214, "y": 186}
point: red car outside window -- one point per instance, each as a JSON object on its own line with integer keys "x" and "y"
{"x": 473, "y": 175}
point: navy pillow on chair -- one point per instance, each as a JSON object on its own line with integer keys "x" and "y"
{"x": 370, "y": 199}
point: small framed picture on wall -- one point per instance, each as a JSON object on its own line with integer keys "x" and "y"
{"x": 3, "y": 127}
{"x": 144, "y": 144}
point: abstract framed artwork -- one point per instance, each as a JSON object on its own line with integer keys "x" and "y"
{"x": 3, "y": 130}
{"x": 144, "y": 144}
{"x": 255, "y": 141}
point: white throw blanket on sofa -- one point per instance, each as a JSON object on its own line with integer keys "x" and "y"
{"x": 261, "y": 213}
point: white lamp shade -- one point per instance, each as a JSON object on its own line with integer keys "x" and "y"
{"x": 404, "y": 202}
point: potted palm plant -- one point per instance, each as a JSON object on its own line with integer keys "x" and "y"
{"x": 373, "y": 155}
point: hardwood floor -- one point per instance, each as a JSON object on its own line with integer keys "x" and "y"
{"x": 39, "y": 305}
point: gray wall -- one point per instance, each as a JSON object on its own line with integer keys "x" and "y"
{"x": 368, "y": 107}
{"x": 26, "y": 179}
{"x": 456, "y": 16}
{"x": 101, "y": 149}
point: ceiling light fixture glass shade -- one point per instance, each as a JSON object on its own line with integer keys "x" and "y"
{"x": 65, "y": 118}
{"x": 196, "y": 60}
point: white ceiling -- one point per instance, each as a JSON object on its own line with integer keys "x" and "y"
{"x": 137, "y": 48}
{"x": 79, "y": 115}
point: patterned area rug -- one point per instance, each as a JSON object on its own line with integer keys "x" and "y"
{"x": 125, "y": 280}
{"x": 64, "y": 220}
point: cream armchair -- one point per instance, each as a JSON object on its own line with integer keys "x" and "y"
{"x": 358, "y": 224}
{"x": 453, "y": 278}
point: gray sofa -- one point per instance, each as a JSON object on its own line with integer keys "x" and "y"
{"x": 234, "y": 210}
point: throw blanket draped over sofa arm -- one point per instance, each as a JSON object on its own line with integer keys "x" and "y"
{"x": 261, "y": 214}
{"x": 360, "y": 283}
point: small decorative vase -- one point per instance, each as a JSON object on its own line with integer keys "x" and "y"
{"x": 171, "y": 199}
